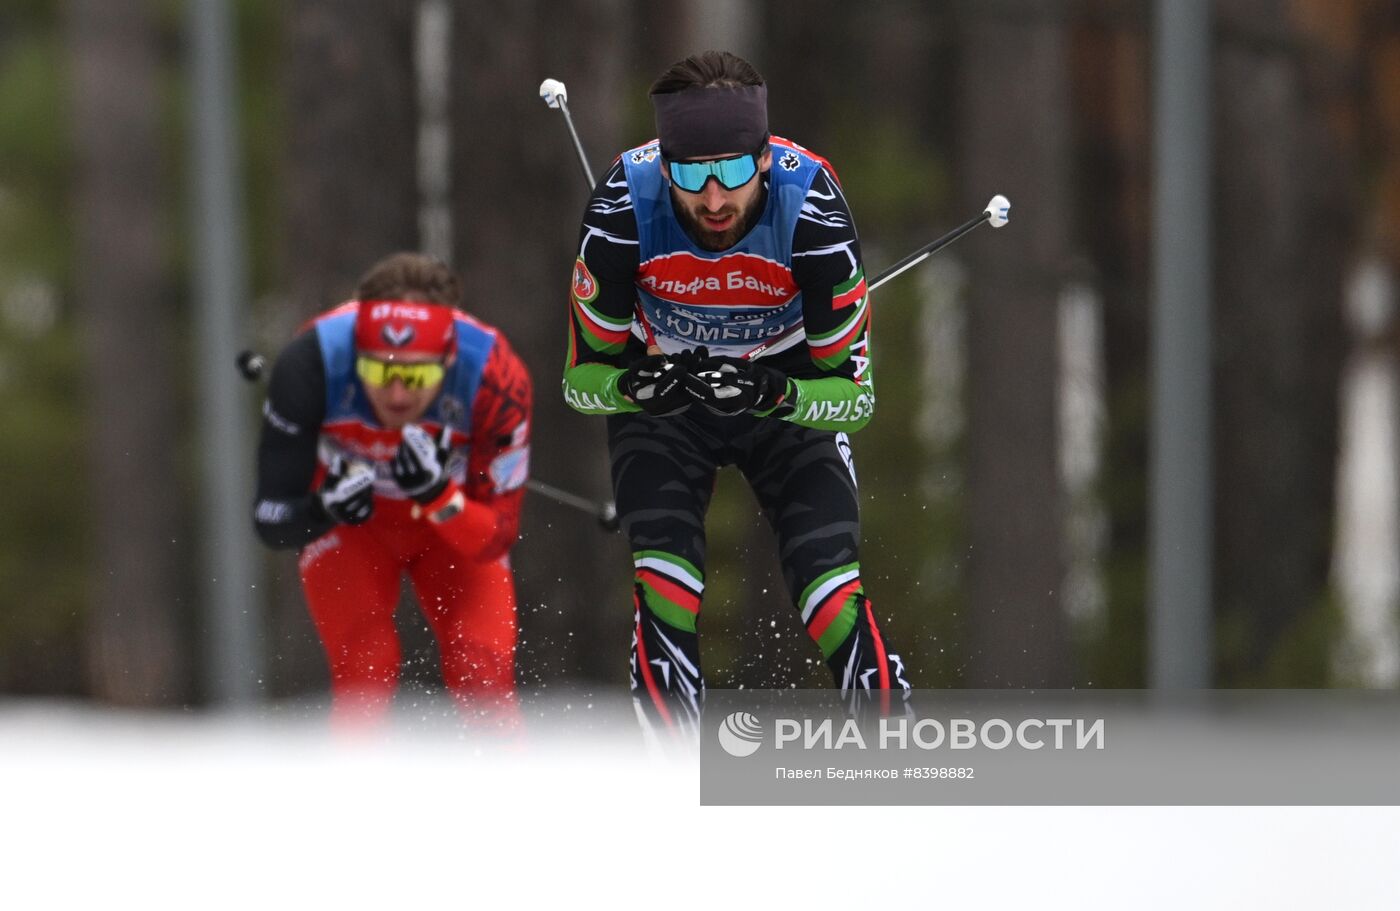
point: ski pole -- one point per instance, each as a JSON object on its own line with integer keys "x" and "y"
{"x": 995, "y": 214}
{"x": 555, "y": 94}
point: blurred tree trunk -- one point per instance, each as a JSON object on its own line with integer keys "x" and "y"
{"x": 1014, "y": 139}
{"x": 134, "y": 653}
{"x": 658, "y": 35}
{"x": 1381, "y": 34}
{"x": 351, "y": 186}
{"x": 518, "y": 197}
{"x": 351, "y": 197}
{"x": 1112, "y": 120}
{"x": 1286, "y": 221}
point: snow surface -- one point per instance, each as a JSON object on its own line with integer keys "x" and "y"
{"x": 123, "y": 809}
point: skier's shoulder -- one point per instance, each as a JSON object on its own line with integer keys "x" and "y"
{"x": 790, "y": 157}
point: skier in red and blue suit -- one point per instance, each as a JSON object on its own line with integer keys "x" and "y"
{"x": 720, "y": 316}
{"x": 395, "y": 440}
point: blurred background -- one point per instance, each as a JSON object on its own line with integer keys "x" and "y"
{"x": 1145, "y": 435}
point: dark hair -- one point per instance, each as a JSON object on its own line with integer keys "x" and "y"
{"x": 705, "y": 70}
{"x": 411, "y": 276}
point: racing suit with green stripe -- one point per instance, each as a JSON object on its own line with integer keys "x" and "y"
{"x": 792, "y": 292}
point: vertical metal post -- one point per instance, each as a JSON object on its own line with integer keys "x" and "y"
{"x": 432, "y": 63}
{"x": 1180, "y": 533}
{"x": 228, "y": 581}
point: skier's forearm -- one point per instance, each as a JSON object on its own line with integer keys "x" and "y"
{"x": 290, "y": 523}
{"x": 831, "y": 403}
{"x": 592, "y": 389}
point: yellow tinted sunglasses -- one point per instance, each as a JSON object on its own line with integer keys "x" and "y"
{"x": 414, "y": 376}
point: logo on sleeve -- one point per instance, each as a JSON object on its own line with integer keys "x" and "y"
{"x": 510, "y": 469}
{"x": 585, "y": 288}
{"x": 281, "y": 423}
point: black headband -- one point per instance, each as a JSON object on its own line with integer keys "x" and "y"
{"x": 700, "y": 123}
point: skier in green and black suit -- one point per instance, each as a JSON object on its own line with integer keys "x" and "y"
{"x": 720, "y": 317}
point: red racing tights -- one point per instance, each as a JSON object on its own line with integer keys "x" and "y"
{"x": 351, "y": 579}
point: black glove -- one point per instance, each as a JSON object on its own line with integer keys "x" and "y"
{"x": 732, "y": 385}
{"x": 420, "y": 465}
{"x": 347, "y": 493}
{"x": 657, "y": 382}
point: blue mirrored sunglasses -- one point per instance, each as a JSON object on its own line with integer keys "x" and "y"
{"x": 732, "y": 173}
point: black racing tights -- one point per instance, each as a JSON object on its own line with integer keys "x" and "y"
{"x": 663, "y": 473}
